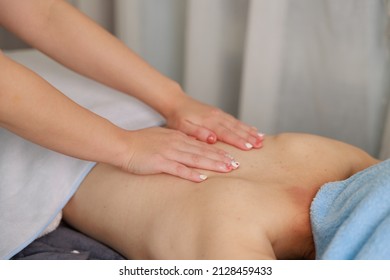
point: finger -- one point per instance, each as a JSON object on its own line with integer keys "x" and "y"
{"x": 204, "y": 162}
{"x": 255, "y": 141}
{"x": 180, "y": 170}
{"x": 240, "y": 129}
{"x": 204, "y": 150}
{"x": 253, "y": 136}
{"x": 227, "y": 136}
{"x": 180, "y": 142}
{"x": 250, "y": 136}
{"x": 201, "y": 133}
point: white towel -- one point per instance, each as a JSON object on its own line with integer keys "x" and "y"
{"x": 35, "y": 183}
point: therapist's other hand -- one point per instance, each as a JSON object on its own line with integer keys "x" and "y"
{"x": 162, "y": 150}
{"x": 209, "y": 124}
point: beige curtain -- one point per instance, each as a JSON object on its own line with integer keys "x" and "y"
{"x": 155, "y": 30}
{"x": 324, "y": 69}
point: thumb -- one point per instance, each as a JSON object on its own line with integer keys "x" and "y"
{"x": 199, "y": 132}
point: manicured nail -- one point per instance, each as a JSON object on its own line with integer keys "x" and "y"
{"x": 211, "y": 139}
{"x": 261, "y": 134}
{"x": 235, "y": 164}
{"x": 249, "y": 145}
{"x": 203, "y": 177}
{"x": 226, "y": 167}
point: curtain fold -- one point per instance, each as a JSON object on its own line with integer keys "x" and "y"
{"x": 155, "y": 30}
{"x": 215, "y": 36}
{"x": 263, "y": 65}
{"x": 335, "y": 71}
{"x": 324, "y": 69}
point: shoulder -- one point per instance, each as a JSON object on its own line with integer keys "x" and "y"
{"x": 330, "y": 151}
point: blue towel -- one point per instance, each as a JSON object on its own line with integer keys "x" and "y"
{"x": 351, "y": 218}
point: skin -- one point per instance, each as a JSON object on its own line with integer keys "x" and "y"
{"x": 260, "y": 211}
{"x": 33, "y": 109}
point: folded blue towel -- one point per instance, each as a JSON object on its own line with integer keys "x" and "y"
{"x": 351, "y": 218}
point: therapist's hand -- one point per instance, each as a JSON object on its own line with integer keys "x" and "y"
{"x": 209, "y": 124}
{"x": 162, "y": 150}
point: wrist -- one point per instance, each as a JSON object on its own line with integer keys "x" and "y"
{"x": 171, "y": 98}
{"x": 121, "y": 152}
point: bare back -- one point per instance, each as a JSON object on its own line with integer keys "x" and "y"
{"x": 260, "y": 210}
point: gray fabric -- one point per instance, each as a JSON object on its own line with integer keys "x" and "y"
{"x": 66, "y": 243}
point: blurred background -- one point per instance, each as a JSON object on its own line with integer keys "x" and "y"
{"x": 315, "y": 66}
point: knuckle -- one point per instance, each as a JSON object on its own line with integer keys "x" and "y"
{"x": 237, "y": 124}
{"x": 195, "y": 158}
{"x": 181, "y": 124}
{"x": 216, "y": 111}
{"x": 225, "y": 133}
{"x": 181, "y": 170}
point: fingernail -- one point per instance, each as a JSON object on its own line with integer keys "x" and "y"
{"x": 226, "y": 167}
{"x": 235, "y": 164}
{"x": 211, "y": 139}
{"x": 261, "y": 134}
{"x": 249, "y": 145}
{"x": 203, "y": 177}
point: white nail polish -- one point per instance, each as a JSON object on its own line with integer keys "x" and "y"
{"x": 249, "y": 145}
{"x": 235, "y": 164}
{"x": 261, "y": 134}
{"x": 203, "y": 177}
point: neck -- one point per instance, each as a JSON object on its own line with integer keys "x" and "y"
{"x": 294, "y": 240}
{"x": 291, "y": 236}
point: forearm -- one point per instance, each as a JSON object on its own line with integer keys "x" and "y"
{"x": 62, "y": 32}
{"x": 33, "y": 109}
{"x": 71, "y": 38}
